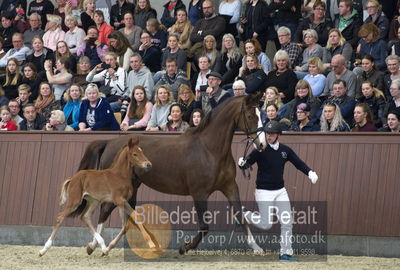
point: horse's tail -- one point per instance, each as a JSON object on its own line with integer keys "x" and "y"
{"x": 93, "y": 152}
{"x": 64, "y": 194}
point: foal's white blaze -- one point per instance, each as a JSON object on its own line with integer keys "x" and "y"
{"x": 260, "y": 135}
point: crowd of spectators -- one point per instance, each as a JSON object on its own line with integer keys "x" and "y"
{"x": 64, "y": 67}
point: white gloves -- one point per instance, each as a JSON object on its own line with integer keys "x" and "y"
{"x": 241, "y": 162}
{"x": 312, "y": 176}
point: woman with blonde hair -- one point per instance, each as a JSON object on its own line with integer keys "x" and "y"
{"x": 336, "y": 44}
{"x": 183, "y": 28}
{"x": 12, "y": 79}
{"x": 73, "y": 98}
{"x": 95, "y": 112}
{"x": 158, "y": 33}
{"x": 160, "y": 111}
{"x": 282, "y": 77}
{"x": 210, "y": 50}
{"x": 54, "y": 32}
{"x": 251, "y": 70}
{"x": 57, "y": 122}
{"x": 231, "y": 59}
{"x": 315, "y": 76}
{"x": 272, "y": 97}
{"x": 303, "y": 95}
{"x": 376, "y": 16}
{"x": 332, "y": 120}
{"x": 39, "y": 55}
{"x": 186, "y": 100}
{"x": 253, "y": 46}
{"x": 89, "y": 6}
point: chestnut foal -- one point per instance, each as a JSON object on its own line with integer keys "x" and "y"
{"x": 113, "y": 185}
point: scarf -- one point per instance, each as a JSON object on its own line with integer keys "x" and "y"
{"x": 41, "y": 102}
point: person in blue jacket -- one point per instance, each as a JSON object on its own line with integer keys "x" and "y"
{"x": 95, "y": 112}
{"x": 73, "y": 98}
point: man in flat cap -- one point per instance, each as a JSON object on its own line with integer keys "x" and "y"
{"x": 211, "y": 95}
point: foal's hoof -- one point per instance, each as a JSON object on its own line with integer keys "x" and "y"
{"x": 89, "y": 250}
{"x": 183, "y": 249}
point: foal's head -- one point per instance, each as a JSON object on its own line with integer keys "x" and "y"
{"x": 250, "y": 120}
{"x": 136, "y": 156}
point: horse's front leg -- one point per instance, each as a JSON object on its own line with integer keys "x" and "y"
{"x": 231, "y": 191}
{"x": 105, "y": 211}
{"x": 201, "y": 207}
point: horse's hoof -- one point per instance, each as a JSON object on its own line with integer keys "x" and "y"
{"x": 182, "y": 249}
{"x": 40, "y": 254}
{"x": 89, "y": 250}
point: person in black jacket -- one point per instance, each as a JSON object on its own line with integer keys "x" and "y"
{"x": 316, "y": 21}
{"x": 33, "y": 120}
{"x": 168, "y": 17}
{"x": 118, "y": 11}
{"x": 255, "y": 21}
{"x": 270, "y": 186}
{"x": 7, "y": 30}
{"x": 304, "y": 123}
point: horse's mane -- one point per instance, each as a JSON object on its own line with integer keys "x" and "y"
{"x": 207, "y": 119}
{"x": 117, "y": 156}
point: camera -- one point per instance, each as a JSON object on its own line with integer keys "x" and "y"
{"x": 203, "y": 88}
{"x": 105, "y": 66}
{"x": 125, "y": 103}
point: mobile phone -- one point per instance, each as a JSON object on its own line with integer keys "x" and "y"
{"x": 203, "y": 88}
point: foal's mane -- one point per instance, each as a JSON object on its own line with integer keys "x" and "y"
{"x": 118, "y": 155}
{"x": 207, "y": 119}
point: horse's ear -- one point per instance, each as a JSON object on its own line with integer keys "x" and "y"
{"x": 133, "y": 141}
{"x": 253, "y": 99}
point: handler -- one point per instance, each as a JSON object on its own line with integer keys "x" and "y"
{"x": 270, "y": 188}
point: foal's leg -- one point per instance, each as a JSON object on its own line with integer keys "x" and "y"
{"x": 231, "y": 192}
{"x": 124, "y": 229}
{"x": 105, "y": 211}
{"x": 201, "y": 206}
{"x": 86, "y": 217}
{"x": 70, "y": 207}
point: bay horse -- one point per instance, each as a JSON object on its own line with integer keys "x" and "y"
{"x": 83, "y": 192}
{"x": 196, "y": 163}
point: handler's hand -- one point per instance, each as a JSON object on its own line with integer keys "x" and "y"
{"x": 313, "y": 176}
{"x": 242, "y": 163}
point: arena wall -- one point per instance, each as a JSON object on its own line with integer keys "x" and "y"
{"x": 358, "y": 178}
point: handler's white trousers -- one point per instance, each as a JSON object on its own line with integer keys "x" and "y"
{"x": 270, "y": 203}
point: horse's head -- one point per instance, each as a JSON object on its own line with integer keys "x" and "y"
{"x": 250, "y": 121}
{"x": 136, "y": 155}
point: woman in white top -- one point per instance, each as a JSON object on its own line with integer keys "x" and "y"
{"x": 111, "y": 74}
{"x": 231, "y": 8}
{"x": 75, "y": 35}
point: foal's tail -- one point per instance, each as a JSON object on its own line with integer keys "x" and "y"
{"x": 64, "y": 194}
{"x": 76, "y": 189}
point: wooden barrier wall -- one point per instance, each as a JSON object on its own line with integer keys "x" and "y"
{"x": 359, "y": 178}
